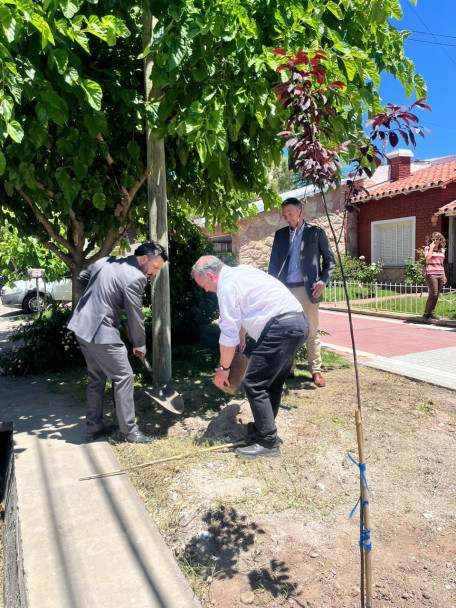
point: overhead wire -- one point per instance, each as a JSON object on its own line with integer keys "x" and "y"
{"x": 431, "y": 34}
{"x": 412, "y": 8}
{"x": 442, "y": 44}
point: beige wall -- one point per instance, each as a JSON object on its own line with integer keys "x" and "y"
{"x": 253, "y": 242}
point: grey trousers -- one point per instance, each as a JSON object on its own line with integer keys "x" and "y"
{"x": 108, "y": 361}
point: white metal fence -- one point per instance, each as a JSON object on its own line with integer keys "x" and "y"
{"x": 390, "y": 297}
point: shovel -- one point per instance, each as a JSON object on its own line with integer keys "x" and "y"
{"x": 164, "y": 395}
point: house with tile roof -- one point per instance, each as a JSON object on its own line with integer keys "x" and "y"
{"x": 252, "y": 242}
{"x": 405, "y": 201}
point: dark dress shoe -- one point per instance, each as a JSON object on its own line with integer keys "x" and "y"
{"x": 318, "y": 380}
{"x": 105, "y": 431}
{"x": 136, "y": 437}
{"x": 257, "y": 451}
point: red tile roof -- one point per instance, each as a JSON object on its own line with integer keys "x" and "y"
{"x": 448, "y": 207}
{"x": 435, "y": 176}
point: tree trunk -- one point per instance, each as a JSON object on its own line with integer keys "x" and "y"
{"x": 158, "y": 228}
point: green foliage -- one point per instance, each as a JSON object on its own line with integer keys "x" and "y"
{"x": 59, "y": 91}
{"x": 72, "y": 98}
{"x": 18, "y": 254}
{"x": 31, "y": 32}
{"x": 215, "y": 71}
{"x": 356, "y": 269}
{"x": 282, "y": 179}
{"x": 192, "y": 308}
{"x": 44, "y": 344}
{"x": 414, "y": 269}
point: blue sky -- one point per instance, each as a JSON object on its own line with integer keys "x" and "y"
{"x": 435, "y": 59}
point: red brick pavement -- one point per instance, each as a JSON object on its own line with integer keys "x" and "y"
{"x": 383, "y": 337}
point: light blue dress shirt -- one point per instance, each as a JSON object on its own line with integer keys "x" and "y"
{"x": 294, "y": 274}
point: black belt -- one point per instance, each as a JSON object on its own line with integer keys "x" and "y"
{"x": 287, "y": 315}
{"x": 284, "y": 315}
{"x": 300, "y": 284}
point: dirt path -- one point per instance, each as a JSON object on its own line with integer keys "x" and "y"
{"x": 275, "y": 532}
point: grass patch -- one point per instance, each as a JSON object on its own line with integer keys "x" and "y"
{"x": 355, "y": 292}
{"x": 329, "y": 360}
{"x": 415, "y": 305}
{"x": 427, "y": 408}
{"x": 404, "y": 305}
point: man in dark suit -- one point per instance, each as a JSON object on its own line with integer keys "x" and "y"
{"x": 112, "y": 285}
{"x": 302, "y": 259}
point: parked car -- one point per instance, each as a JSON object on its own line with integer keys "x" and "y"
{"x": 23, "y": 294}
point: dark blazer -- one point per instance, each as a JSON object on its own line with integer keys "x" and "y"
{"x": 317, "y": 259}
{"x": 110, "y": 285}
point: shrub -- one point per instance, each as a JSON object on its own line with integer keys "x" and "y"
{"x": 191, "y": 307}
{"x": 414, "y": 270}
{"x": 356, "y": 269}
{"x": 44, "y": 344}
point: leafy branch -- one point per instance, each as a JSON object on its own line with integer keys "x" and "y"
{"x": 397, "y": 122}
{"x": 311, "y": 137}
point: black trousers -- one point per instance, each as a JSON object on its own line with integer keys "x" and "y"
{"x": 270, "y": 363}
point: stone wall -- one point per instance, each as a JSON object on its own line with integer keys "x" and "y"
{"x": 392, "y": 274}
{"x": 253, "y": 242}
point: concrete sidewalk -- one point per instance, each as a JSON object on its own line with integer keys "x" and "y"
{"x": 82, "y": 544}
{"x": 85, "y": 544}
{"x": 411, "y": 349}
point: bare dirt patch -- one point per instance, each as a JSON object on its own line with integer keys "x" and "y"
{"x": 275, "y": 532}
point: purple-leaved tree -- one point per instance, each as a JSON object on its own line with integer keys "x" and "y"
{"x": 318, "y": 150}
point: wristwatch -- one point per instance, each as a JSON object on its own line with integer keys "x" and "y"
{"x": 223, "y": 369}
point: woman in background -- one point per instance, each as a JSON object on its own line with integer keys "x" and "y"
{"x": 434, "y": 254}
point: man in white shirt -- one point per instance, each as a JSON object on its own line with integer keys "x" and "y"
{"x": 250, "y": 301}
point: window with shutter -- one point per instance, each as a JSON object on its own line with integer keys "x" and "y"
{"x": 393, "y": 240}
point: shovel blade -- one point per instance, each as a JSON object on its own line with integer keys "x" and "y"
{"x": 168, "y": 398}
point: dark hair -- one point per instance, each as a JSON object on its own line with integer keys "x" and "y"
{"x": 292, "y": 201}
{"x": 152, "y": 250}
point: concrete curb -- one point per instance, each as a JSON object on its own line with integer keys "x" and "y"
{"x": 84, "y": 543}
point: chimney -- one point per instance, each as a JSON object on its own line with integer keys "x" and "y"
{"x": 399, "y": 162}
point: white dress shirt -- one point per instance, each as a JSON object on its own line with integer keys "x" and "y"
{"x": 249, "y": 298}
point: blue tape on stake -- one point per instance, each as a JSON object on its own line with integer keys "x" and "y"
{"x": 362, "y": 468}
{"x": 365, "y": 532}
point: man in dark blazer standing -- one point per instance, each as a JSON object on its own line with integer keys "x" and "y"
{"x": 302, "y": 259}
{"x": 112, "y": 285}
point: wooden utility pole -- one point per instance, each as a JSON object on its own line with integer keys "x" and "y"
{"x": 158, "y": 224}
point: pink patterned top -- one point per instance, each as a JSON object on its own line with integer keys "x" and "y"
{"x": 435, "y": 265}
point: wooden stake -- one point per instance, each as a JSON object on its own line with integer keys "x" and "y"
{"x": 177, "y": 457}
{"x": 364, "y": 512}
